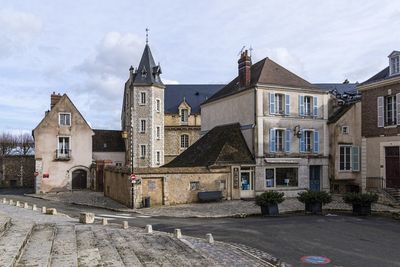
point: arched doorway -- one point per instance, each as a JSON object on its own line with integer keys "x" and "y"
{"x": 79, "y": 179}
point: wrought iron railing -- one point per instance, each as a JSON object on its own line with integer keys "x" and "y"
{"x": 63, "y": 154}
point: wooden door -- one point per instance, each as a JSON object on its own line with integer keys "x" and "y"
{"x": 79, "y": 179}
{"x": 315, "y": 178}
{"x": 392, "y": 165}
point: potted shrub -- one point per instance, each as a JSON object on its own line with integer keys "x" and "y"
{"x": 314, "y": 200}
{"x": 361, "y": 202}
{"x": 268, "y": 201}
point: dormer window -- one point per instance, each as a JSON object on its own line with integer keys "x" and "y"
{"x": 184, "y": 115}
{"x": 394, "y": 63}
{"x": 144, "y": 72}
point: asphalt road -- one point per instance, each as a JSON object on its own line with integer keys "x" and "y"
{"x": 345, "y": 240}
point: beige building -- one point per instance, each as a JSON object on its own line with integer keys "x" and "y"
{"x": 63, "y": 148}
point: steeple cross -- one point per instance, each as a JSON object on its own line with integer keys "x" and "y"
{"x": 147, "y": 35}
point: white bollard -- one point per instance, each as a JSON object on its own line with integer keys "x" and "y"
{"x": 17, "y": 203}
{"x": 51, "y": 211}
{"x": 43, "y": 209}
{"x": 210, "y": 238}
{"x": 11, "y": 202}
{"x": 34, "y": 207}
{"x": 148, "y": 229}
{"x": 26, "y": 205}
{"x": 86, "y": 217}
{"x": 4, "y": 200}
{"x": 125, "y": 225}
{"x": 104, "y": 221}
{"x": 178, "y": 233}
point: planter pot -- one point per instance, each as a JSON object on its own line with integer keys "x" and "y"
{"x": 314, "y": 208}
{"x": 362, "y": 209}
{"x": 270, "y": 210}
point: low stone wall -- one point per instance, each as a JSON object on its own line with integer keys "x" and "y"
{"x": 17, "y": 171}
{"x": 166, "y": 186}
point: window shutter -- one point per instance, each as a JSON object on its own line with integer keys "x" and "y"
{"x": 316, "y": 141}
{"x": 287, "y": 104}
{"x": 272, "y": 144}
{"x": 288, "y": 135}
{"x": 302, "y": 147}
{"x": 355, "y": 158}
{"x": 380, "y": 111}
{"x": 398, "y": 108}
{"x": 271, "y": 103}
{"x": 315, "y": 104}
{"x": 301, "y": 105}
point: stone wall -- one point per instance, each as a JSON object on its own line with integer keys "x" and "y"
{"x": 17, "y": 171}
{"x": 172, "y": 147}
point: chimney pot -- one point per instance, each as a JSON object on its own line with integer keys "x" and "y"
{"x": 54, "y": 98}
{"x": 244, "y": 67}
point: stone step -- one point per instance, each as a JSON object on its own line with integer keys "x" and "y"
{"x": 64, "y": 252}
{"x": 109, "y": 254}
{"x": 128, "y": 256}
{"x": 88, "y": 253}
{"x": 5, "y": 223}
{"x": 13, "y": 241}
{"x": 38, "y": 249}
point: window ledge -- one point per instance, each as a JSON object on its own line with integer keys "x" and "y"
{"x": 390, "y": 126}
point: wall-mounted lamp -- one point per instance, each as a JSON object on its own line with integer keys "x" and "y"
{"x": 297, "y": 131}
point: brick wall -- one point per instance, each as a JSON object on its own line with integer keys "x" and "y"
{"x": 369, "y": 112}
{"x": 17, "y": 171}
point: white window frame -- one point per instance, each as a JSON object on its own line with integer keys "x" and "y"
{"x": 283, "y": 131}
{"x": 347, "y": 131}
{"x": 141, "y": 130}
{"x": 345, "y": 162}
{"x": 311, "y": 132}
{"x": 64, "y": 113}
{"x": 183, "y": 141}
{"x": 143, "y": 155}
{"x": 158, "y": 105}
{"x": 63, "y": 155}
{"x": 158, "y": 157}
{"x": 158, "y": 132}
{"x": 274, "y": 182}
{"x": 395, "y": 65}
{"x": 310, "y": 111}
{"x": 393, "y": 110}
{"x": 141, "y": 102}
{"x": 183, "y": 119}
{"x": 280, "y": 105}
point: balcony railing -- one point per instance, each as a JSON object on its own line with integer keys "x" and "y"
{"x": 63, "y": 154}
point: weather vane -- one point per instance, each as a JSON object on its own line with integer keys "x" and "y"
{"x": 147, "y": 35}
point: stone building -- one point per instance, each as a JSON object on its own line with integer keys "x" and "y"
{"x": 380, "y": 167}
{"x": 17, "y": 171}
{"x": 283, "y": 119}
{"x": 63, "y": 148}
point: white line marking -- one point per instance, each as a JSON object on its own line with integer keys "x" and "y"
{"x": 143, "y": 216}
{"x": 115, "y": 216}
{"x": 99, "y": 218}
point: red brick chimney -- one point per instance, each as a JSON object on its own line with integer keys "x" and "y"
{"x": 54, "y": 98}
{"x": 244, "y": 69}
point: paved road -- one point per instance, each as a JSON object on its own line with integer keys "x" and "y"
{"x": 345, "y": 240}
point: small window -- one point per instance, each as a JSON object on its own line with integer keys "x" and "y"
{"x": 280, "y": 103}
{"x": 142, "y": 126}
{"x": 184, "y": 115}
{"x": 158, "y": 132}
{"x": 143, "y": 151}
{"x": 118, "y": 164}
{"x": 345, "y": 130}
{"x": 390, "y": 111}
{"x": 307, "y": 105}
{"x": 194, "y": 186}
{"x": 158, "y": 105}
{"x": 65, "y": 119}
{"x": 158, "y": 157}
{"x": 345, "y": 158}
{"x": 395, "y": 65}
{"x": 184, "y": 141}
{"x": 143, "y": 98}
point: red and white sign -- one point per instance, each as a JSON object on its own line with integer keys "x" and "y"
{"x": 36, "y": 173}
{"x": 132, "y": 177}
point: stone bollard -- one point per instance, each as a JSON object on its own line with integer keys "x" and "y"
{"x": 26, "y": 205}
{"x": 51, "y": 211}
{"x": 17, "y": 203}
{"x": 178, "y": 233}
{"x": 148, "y": 229}
{"x": 11, "y": 202}
{"x": 104, "y": 221}
{"x": 34, "y": 208}
{"x": 125, "y": 225}
{"x": 86, "y": 217}
{"x": 210, "y": 238}
{"x": 4, "y": 200}
{"x": 43, "y": 209}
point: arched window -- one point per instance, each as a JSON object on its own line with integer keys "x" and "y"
{"x": 184, "y": 141}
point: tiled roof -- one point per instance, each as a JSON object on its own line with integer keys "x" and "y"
{"x": 341, "y": 88}
{"x": 223, "y": 145}
{"x": 108, "y": 141}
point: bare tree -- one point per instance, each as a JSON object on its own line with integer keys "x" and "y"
{"x": 8, "y": 143}
{"x": 25, "y": 143}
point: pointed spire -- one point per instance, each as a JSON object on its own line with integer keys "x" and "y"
{"x": 149, "y": 72}
{"x": 147, "y": 36}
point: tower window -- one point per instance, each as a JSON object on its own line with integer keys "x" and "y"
{"x": 158, "y": 157}
{"x": 184, "y": 141}
{"x": 158, "y": 105}
{"x": 158, "y": 132}
{"x": 142, "y": 126}
{"x": 143, "y": 151}
{"x": 143, "y": 98}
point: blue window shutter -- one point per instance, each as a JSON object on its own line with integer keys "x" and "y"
{"x": 272, "y": 143}
{"x": 355, "y": 158}
{"x": 398, "y": 108}
{"x": 302, "y": 147}
{"x": 287, "y": 104}
{"x": 315, "y": 104}
{"x": 316, "y": 141}
{"x": 380, "y": 107}
{"x": 271, "y": 103}
{"x": 301, "y": 105}
{"x": 288, "y": 135}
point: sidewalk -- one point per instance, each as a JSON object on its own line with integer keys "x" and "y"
{"x": 234, "y": 208}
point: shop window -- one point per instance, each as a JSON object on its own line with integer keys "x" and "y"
{"x": 286, "y": 177}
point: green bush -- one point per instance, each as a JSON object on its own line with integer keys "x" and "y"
{"x": 360, "y": 198}
{"x": 309, "y": 197}
{"x": 269, "y": 197}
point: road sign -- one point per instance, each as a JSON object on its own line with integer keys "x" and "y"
{"x": 132, "y": 177}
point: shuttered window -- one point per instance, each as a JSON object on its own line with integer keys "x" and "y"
{"x": 380, "y": 111}
{"x": 355, "y": 154}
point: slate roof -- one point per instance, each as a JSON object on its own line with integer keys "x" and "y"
{"x": 222, "y": 145}
{"x": 341, "y": 88}
{"x": 194, "y": 94}
{"x": 148, "y": 66}
{"x": 380, "y": 76}
{"x": 265, "y": 72}
{"x": 339, "y": 113}
{"x": 108, "y": 141}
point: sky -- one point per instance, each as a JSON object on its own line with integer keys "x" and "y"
{"x": 85, "y": 48}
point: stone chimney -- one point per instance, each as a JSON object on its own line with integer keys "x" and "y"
{"x": 244, "y": 69}
{"x": 54, "y": 98}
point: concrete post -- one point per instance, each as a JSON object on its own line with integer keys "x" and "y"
{"x": 11, "y": 202}
{"x": 34, "y": 208}
{"x": 210, "y": 238}
{"x": 104, "y": 221}
{"x": 148, "y": 229}
{"x": 178, "y": 233}
{"x": 86, "y": 217}
{"x": 125, "y": 225}
{"x": 4, "y": 200}
{"x": 17, "y": 203}
{"x": 51, "y": 211}
{"x": 43, "y": 209}
{"x": 25, "y": 205}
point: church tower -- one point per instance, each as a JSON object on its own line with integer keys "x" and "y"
{"x": 142, "y": 115}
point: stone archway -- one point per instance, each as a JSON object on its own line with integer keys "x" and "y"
{"x": 79, "y": 179}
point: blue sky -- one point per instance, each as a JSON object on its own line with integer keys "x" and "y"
{"x": 85, "y": 48}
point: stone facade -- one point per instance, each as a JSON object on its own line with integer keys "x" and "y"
{"x": 17, "y": 171}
